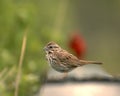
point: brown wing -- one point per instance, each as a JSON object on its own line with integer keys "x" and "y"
{"x": 67, "y": 58}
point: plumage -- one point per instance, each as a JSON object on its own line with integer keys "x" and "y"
{"x": 63, "y": 61}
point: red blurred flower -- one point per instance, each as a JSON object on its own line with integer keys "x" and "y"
{"x": 77, "y": 44}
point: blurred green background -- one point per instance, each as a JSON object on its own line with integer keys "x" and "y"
{"x": 53, "y": 20}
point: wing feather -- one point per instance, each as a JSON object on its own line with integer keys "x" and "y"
{"x": 67, "y": 58}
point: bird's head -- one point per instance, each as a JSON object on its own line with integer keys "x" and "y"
{"x": 51, "y": 46}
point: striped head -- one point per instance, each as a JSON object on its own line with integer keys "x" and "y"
{"x": 51, "y": 47}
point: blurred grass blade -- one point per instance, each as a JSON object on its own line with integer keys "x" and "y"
{"x": 20, "y": 63}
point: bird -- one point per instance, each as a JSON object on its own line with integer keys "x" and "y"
{"x": 63, "y": 61}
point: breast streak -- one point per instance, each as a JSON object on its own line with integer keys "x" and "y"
{"x": 60, "y": 66}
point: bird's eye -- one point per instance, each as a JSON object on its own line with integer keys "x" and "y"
{"x": 50, "y": 46}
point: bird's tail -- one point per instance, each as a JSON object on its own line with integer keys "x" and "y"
{"x": 84, "y": 62}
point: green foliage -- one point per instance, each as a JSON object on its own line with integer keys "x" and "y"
{"x": 16, "y": 17}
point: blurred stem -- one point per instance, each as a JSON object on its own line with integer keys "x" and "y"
{"x": 60, "y": 17}
{"x": 18, "y": 76}
{"x": 8, "y": 74}
{"x": 3, "y": 72}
